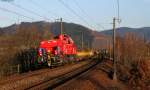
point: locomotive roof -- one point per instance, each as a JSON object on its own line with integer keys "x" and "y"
{"x": 58, "y": 36}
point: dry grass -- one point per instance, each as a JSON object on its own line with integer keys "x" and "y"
{"x": 13, "y": 44}
{"x": 133, "y": 53}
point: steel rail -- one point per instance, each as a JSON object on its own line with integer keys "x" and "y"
{"x": 53, "y": 83}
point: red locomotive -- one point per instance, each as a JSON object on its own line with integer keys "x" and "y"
{"x": 53, "y": 52}
{"x": 58, "y": 50}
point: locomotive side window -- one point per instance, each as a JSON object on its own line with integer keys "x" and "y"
{"x": 69, "y": 41}
{"x": 65, "y": 36}
{"x": 56, "y": 37}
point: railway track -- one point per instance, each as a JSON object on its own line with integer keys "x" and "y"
{"x": 24, "y": 75}
{"x": 50, "y": 84}
{"x": 97, "y": 78}
{"x": 44, "y": 79}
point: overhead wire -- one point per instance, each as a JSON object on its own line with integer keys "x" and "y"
{"x": 63, "y": 3}
{"x": 84, "y": 12}
{"x": 118, "y": 12}
{"x": 27, "y": 10}
{"x": 71, "y": 10}
{"x": 48, "y": 11}
{"x": 42, "y": 8}
{"x": 118, "y": 4}
{"x": 10, "y": 11}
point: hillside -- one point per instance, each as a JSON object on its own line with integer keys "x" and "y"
{"x": 142, "y": 32}
{"x": 74, "y": 30}
{"x": 92, "y": 39}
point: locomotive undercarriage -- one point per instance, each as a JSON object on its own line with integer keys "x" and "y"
{"x": 58, "y": 60}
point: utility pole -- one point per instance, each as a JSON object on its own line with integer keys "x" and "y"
{"x": 89, "y": 48}
{"x": 82, "y": 44}
{"x": 114, "y": 52}
{"x": 61, "y": 26}
{"x": 110, "y": 50}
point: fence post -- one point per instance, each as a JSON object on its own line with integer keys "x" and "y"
{"x": 11, "y": 70}
{"x": 18, "y": 68}
{"x": 1, "y": 73}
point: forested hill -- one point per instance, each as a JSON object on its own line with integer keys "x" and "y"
{"x": 143, "y": 32}
{"x": 72, "y": 29}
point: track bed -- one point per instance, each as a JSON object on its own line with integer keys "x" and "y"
{"x": 31, "y": 79}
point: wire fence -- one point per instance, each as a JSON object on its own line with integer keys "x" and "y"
{"x": 9, "y": 70}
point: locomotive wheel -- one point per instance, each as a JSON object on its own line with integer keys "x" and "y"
{"x": 61, "y": 61}
{"x": 49, "y": 62}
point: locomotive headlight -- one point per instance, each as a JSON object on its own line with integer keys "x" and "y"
{"x": 91, "y": 53}
{"x": 48, "y": 51}
{"x": 85, "y": 53}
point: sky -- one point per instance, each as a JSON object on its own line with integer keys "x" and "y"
{"x": 94, "y": 14}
